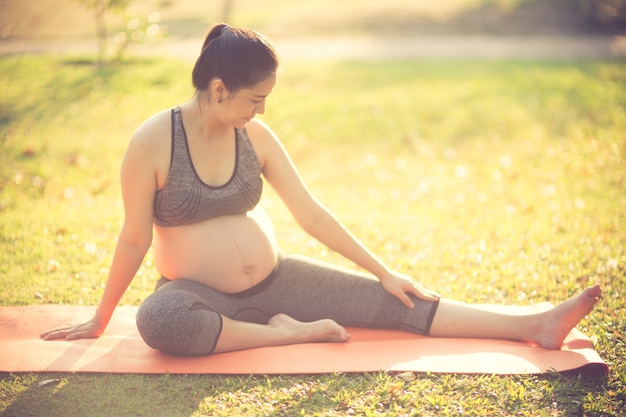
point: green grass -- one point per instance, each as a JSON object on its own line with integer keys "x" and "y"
{"x": 487, "y": 181}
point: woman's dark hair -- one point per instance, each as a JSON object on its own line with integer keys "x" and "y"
{"x": 241, "y": 58}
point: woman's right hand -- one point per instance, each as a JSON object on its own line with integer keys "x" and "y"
{"x": 72, "y": 331}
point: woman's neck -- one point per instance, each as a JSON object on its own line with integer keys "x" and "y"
{"x": 201, "y": 118}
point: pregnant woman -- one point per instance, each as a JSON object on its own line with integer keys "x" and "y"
{"x": 191, "y": 183}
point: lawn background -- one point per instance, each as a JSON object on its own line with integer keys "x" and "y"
{"x": 489, "y": 181}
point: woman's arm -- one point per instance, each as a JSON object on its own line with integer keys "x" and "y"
{"x": 319, "y": 222}
{"x": 138, "y": 180}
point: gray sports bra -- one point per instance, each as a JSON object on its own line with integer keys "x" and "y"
{"x": 186, "y": 199}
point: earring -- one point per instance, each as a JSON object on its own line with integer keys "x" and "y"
{"x": 219, "y": 100}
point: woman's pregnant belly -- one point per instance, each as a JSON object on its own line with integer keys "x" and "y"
{"x": 229, "y": 253}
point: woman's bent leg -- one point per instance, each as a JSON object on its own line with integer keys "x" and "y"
{"x": 280, "y": 330}
{"x": 185, "y": 318}
{"x": 177, "y": 319}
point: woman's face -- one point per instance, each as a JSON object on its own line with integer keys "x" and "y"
{"x": 242, "y": 105}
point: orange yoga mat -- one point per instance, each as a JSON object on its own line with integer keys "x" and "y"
{"x": 121, "y": 350}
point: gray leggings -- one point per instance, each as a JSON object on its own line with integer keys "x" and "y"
{"x": 184, "y": 318}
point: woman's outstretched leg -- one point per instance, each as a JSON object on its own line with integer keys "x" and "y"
{"x": 547, "y": 328}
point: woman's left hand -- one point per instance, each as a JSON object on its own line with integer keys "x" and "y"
{"x": 400, "y": 285}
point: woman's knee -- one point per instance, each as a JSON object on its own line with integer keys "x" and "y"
{"x": 179, "y": 324}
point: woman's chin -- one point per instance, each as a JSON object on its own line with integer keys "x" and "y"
{"x": 242, "y": 123}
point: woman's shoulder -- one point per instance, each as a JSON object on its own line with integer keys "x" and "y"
{"x": 155, "y": 128}
{"x": 259, "y": 132}
{"x": 266, "y": 143}
{"x": 151, "y": 142}
{"x": 261, "y": 136}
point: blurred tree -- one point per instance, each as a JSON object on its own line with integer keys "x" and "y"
{"x": 606, "y": 14}
{"x": 100, "y": 9}
{"x": 136, "y": 30}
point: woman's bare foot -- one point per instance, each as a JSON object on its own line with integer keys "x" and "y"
{"x": 557, "y": 322}
{"x": 309, "y": 332}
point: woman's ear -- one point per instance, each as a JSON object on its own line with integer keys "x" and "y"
{"x": 218, "y": 90}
